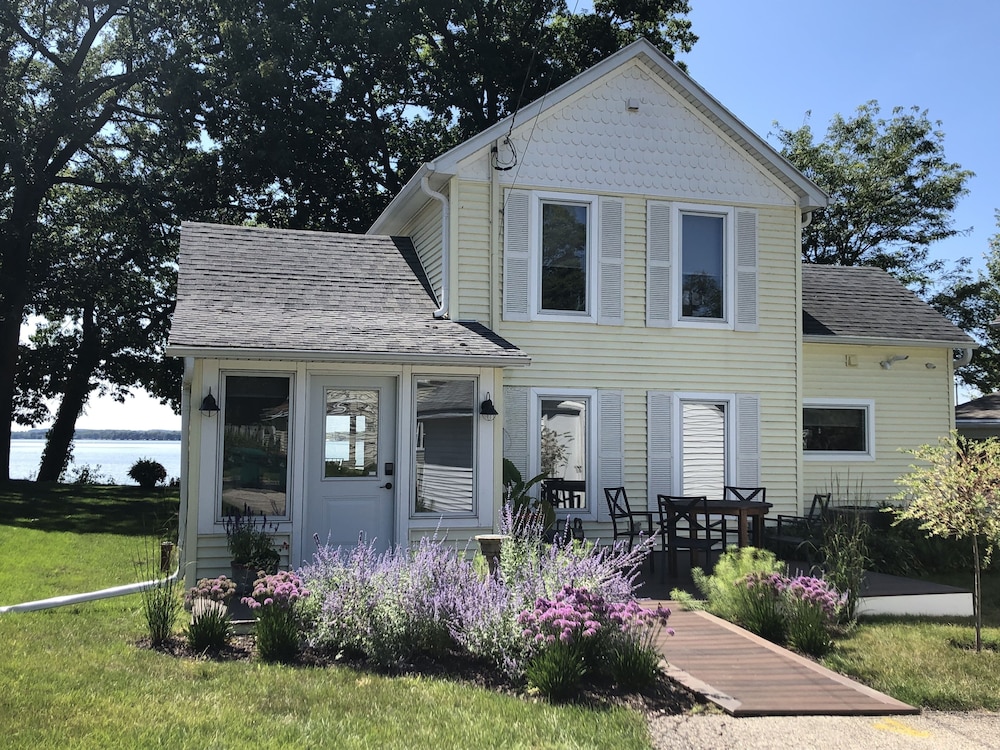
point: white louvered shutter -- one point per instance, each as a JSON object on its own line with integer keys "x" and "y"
{"x": 611, "y": 233}
{"x": 659, "y": 449}
{"x": 747, "y": 440}
{"x": 610, "y": 447}
{"x": 746, "y": 270}
{"x": 517, "y": 256}
{"x": 658, "y": 264}
{"x": 515, "y": 427}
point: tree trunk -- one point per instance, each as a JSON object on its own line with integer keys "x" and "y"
{"x": 977, "y": 605}
{"x": 75, "y": 393}
{"x": 14, "y": 297}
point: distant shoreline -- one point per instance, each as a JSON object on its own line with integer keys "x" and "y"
{"x": 39, "y": 434}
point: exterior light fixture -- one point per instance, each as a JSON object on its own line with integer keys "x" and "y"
{"x": 487, "y": 410}
{"x": 209, "y": 407}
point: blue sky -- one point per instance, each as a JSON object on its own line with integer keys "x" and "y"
{"x": 776, "y": 60}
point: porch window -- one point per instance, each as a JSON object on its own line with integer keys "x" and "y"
{"x": 255, "y": 417}
{"x": 445, "y": 440}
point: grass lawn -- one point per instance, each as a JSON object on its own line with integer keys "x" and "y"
{"x": 73, "y": 677}
{"x": 929, "y": 662}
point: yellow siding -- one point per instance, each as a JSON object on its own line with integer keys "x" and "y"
{"x": 635, "y": 358}
{"x": 425, "y": 231}
{"x": 913, "y": 406}
{"x": 471, "y": 252}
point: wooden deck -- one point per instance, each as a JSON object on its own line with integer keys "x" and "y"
{"x": 746, "y": 675}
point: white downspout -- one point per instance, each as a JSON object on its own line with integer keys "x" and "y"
{"x": 135, "y": 588}
{"x": 441, "y": 312}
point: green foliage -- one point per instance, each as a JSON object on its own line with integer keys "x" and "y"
{"x": 147, "y": 472}
{"x": 724, "y": 599}
{"x": 516, "y": 494}
{"x": 161, "y": 603}
{"x": 556, "y": 672}
{"x": 248, "y": 538}
{"x": 845, "y": 558}
{"x": 955, "y": 493}
{"x": 210, "y": 628}
{"x": 892, "y": 191}
{"x": 632, "y": 664}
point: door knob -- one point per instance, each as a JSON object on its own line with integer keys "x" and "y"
{"x": 386, "y": 486}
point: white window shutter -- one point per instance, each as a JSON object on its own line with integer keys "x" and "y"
{"x": 746, "y": 270}
{"x": 515, "y": 427}
{"x": 659, "y": 448}
{"x": 517, "y": 256}
{"x": 610, "y": 447}
{"x": 747, "y": 440}
{"x": 659, "y": 260}
{"x": 611, "y": 233}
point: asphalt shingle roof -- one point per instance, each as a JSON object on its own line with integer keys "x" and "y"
{"x": 985, "y": 407}
{"x": 247, "y": 288}
{"x": 855, "y": 301}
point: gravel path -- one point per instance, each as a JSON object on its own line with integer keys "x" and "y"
{"x": 934, "y": 730}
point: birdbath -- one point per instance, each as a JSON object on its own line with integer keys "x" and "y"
{"x": 490, "y": 545}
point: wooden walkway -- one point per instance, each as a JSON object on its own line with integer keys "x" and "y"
{"x": 746, "y": 675}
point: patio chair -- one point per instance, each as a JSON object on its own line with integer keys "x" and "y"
{"x": 565, "y": 493}
{"x": 800, "y": 534}
{"x": 685, "y": 524}
{"x": 628, "y": 524}
{"x": 756, "y": 494}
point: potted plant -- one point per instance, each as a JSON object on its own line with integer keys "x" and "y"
{"x": 251, "y": 548}
{"x": 516, "y": 494}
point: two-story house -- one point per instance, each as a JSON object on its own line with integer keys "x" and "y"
{"x": 605, "y": 287}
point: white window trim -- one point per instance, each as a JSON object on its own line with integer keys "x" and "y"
{"x": 729, "y": 265}
{"x": 868, "y": 405}
{"x": 535, "y": 438}
{"x": 679, "y": 399}
{"x": 224, "y": 375}
{"x": 593, "y": 250}
{"x": 417, "y": 520}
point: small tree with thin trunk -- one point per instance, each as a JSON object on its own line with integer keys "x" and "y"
{"x": 955, "y": 493}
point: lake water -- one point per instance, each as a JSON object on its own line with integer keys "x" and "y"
{"x": 111, "y": 459}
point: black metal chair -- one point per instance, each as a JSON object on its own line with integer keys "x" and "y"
{"x": 628, "y": 523}
{"x": 685, "y": 524}
{"x": 802, "y": 534}
{"x": 753, "y": 494}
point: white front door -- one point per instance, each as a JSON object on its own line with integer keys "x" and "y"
{"x": 352, "y": 439}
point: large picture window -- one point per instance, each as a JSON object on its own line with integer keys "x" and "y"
{"x": 837, "y": 430}
{"x": 445, "y": 445}
{"x": 255, "y": 417}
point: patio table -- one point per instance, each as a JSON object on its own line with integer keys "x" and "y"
{"x": 743, "y": 510}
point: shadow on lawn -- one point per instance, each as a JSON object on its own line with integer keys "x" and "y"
{"x": 89, "y": 509}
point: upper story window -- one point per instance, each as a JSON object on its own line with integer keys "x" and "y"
{"x": 701, "y": 266}
{"x": 838, "y": 430}
{"x": 563, "y": 257}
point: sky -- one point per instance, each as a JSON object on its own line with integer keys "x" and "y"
{"x": 795, "y": 62}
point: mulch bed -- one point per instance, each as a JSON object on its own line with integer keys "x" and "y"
{"x": 664, "y": 698}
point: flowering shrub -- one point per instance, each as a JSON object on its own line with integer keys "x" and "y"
{"x": 431, "y": 600}
{"x": 273, "y": 601}
{"x": 798, "y": 611}
{"x": 812, "y": 606}
{"x": 213, "y": 589}
{"x": 589, "y": 634}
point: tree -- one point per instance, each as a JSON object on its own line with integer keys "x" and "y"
{"x": 84, "y": 83}
{"x": 955, "y": 493}
{"x": 892, "y": 191}
{"x": 321, "y": 111}
{"x": 973, "y": 304}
